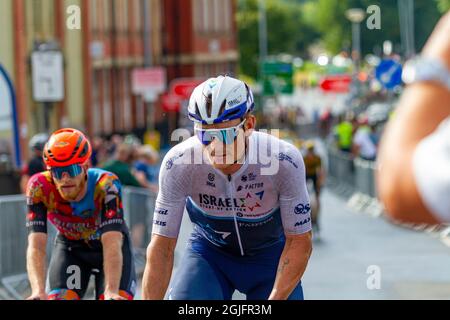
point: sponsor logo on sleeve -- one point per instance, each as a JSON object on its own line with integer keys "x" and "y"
{"x": 284, "y": 157}
{"x": 160, "y": 223}
{"x": 302, "y": 222}
{"x": 162, "y": 211}
{"x": 110, "y": 214}
{"x": 31, "y": 216}
{"x": 170, "y": 162}
{"x": 302, "y": 208}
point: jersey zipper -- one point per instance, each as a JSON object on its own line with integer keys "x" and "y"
{"x": 230, "y": 190}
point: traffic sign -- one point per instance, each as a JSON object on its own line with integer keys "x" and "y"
{"x": 47, "y": 76}
{"x": 336, "y": 83}
{"x": 277, "y": 77}
{"x": 183, "y": 87}
{"x": 389, "y": 73}
{"x": 145, "y": 80}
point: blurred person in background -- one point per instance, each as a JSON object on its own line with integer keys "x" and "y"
{"x": 146, "y": 166}
{"x": 414, "y": 176}
{"x": 115, "y": 141}
{"x": 343, "y": 132}
{"x": 325, "y": 121}
{"x": 36, "y": 163}
{"x": 364, "y": 143}
{"x": 316, "y": 174}
{"x": 99, "y": 151}
{"x": 121, "y": 165}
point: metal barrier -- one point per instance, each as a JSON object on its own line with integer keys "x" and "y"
{"x": 357, "y": 173}
{"x": 13, "y": 235}
{"x": 365, "y": 177}
{"x": 138, "y": 206}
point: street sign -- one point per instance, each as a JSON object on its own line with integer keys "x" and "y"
{"x": 183, "y": 87}
{"x": 148, "y": 80}
{"x": 277, "y": 77}
{"x": 47, "y": 76}
{"x": 8, "y": 117}
{"x": 389, "y": 73}
{"x": 336, "y": 83}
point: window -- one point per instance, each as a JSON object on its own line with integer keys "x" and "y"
{"x": 107, "y": 109}
{"x": 107, "y": 14}
{"x": 93, "y": 14}
{"x": 96, "y": 101}
{"x": 127, "y": 99}
{"x": 227, "y": 15}
{"x": 198, "y": 15}
{"x": 216, "y": 4}
{"x": 124, "y": 13}
{"x": 137, "y": 14}
{"x": 206, "y": 15}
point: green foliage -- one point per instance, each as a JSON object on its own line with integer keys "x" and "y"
{"x": 443, "y": 5}
{"x": 287, "y": 32}
{"x": 294, "y": 25}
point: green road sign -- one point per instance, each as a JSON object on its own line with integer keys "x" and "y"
{"x": 277, "y": 78}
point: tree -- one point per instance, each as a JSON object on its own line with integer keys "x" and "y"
{"x": 443, "y": 5}
{"x": 287, "y": 32}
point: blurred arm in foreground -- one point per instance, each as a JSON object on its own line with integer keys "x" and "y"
{"x": 414, "y": 176}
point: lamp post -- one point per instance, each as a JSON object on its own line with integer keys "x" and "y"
{"x": 356, "y": 16}
{"x": 262, "y": 39}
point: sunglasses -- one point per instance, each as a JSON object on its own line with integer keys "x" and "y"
{"x": 226, "y": 135}
{"x": 73, "y": 170}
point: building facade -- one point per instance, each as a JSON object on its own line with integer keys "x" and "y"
{"x": 190, "y": 38}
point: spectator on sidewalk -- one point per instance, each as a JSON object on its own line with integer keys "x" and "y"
{"x": 121, "y": 166}
{"x": 146, "y": 165}
{"x": 99, "y": 152}
{"x": 36, "y": 163}
{"x": 343, "y": 133}
{"x": 364, "y": 144}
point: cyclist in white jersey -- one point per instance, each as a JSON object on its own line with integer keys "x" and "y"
{"x": 245, "y": 193}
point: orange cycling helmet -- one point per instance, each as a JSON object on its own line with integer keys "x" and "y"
{"x": 66, "y": 147}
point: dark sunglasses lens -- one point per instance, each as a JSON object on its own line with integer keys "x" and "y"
{"x": 72, "y": 170}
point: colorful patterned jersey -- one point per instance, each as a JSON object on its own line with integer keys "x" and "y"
{"x": 99, "y": 211}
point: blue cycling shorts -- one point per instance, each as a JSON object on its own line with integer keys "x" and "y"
{"x": 207, "y": 273}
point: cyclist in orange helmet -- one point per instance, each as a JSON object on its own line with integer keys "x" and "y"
{"x": 85, "y": 206}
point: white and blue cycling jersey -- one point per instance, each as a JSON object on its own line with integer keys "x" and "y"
{"x": 242, "y": 214}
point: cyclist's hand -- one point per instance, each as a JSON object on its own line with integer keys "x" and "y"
{"x": 38, "y": 296}
{"x": 113, "y": 296}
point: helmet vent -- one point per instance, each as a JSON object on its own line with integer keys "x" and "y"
{"x": 222, "y": 107}
{"x": 84, "y": 151}
{"x": 209, "y": 105}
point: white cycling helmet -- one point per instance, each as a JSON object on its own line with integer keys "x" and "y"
{"x": 38, "y": 141}
{"x": 219, "y": 100}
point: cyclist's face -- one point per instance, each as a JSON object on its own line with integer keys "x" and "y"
{"x": 70, "y": 187}
{"x": 223, "y": 155}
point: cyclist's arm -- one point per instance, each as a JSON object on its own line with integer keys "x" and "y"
{"x": 292, "y": 265}
{"x": 296, "y": 217}
{"x": 36, "y": 256}
{"x": 23, "y": 182}
{"x": 422, "y": 108}
{"x": 112, "y": 265}
{"x": 111, "y": 227}
{"x": 158, "y": 270}
{"x": 36, "y": 222}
